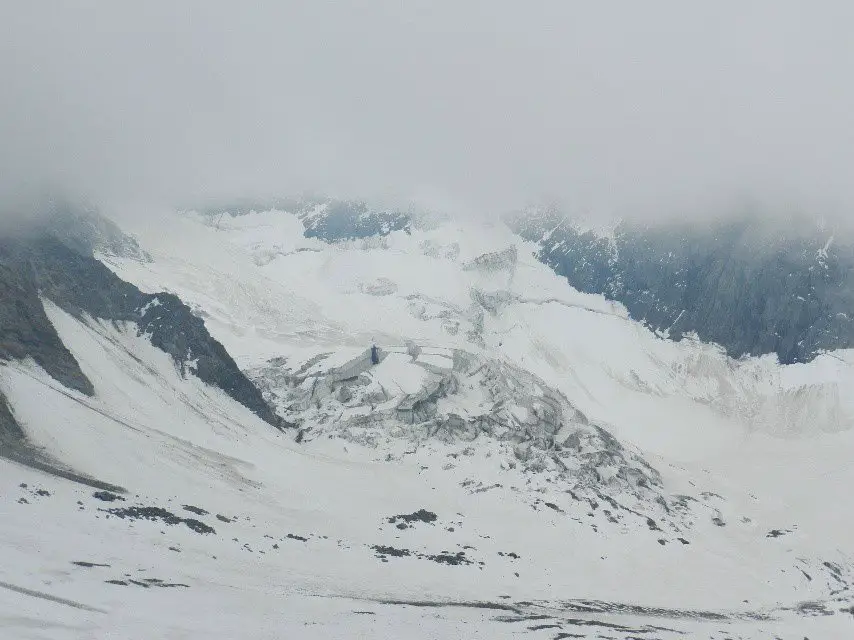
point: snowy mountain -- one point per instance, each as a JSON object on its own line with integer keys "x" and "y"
{"x": 198, "y": 444}
{"x": 749, "y": 284}
{"x": 326, "y": 218}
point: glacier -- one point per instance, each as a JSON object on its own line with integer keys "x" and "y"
{"x": 526, "y": 459}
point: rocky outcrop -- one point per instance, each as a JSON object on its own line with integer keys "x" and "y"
{"x": 750, "y": 285}
{"x": 10, "y": 430}
{"x": 327, "y": 219}
{"x": 25, "y": 330}
{"x": 86, "y": 231}
{"x": 82, "y": 286}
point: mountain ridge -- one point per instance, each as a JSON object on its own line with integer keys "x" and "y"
{"x": 752, "y": 286}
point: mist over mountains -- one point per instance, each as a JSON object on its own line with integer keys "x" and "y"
{"x": 556, "y": 342}
{"x": 753, "y": 283}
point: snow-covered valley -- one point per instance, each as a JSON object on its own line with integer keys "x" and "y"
{"x": 524, "y": 461}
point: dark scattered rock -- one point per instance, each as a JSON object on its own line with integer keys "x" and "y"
{"x": 81, "y": 285}
{"x": 293, "y": 536}
{"x": 82, "y": 563}
{"x": 652, "y": 524}
{"x": 813, "y": 609}
{"x": 511, "y": 554}
{"x": 382, "y": 551}
{"x": 776, "y": 533}
{"x": 23, "y": 485}
{"x": 457, "y": 558}
{"x": 158, "y": 513}
{"x": 683, "y": 540}
{"x": 43, "y": 492}
{"x": 222, "y": 518}
{"x": 552, "y": 505}
{"x": 198, "y": 526}
{"x": 445, "y": 557}
{"x": 662, "y": 541}
{"x": 197, "y": 510}
{"x": 404, "y": 521}
{"x": 25, "y": 329}
{"x": 23, "y": 501}
{"x": 628, "y": 609}
{"x": 719, "y": 521}
{"x": 107, "y": 496}
{"x": 119, "y": 582}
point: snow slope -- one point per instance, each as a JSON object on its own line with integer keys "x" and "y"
{"x": 748, "y": 540}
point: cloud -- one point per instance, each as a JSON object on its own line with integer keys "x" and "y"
{"x": 609, "y": 107}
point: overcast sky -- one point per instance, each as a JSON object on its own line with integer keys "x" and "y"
{"x": 611, "y": 107}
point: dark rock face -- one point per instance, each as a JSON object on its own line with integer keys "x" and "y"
{"x": 86, "y": 231}
{"x": 52, "y": 257}
{"x": 9, "y": 430}
{"x": 81, "y": 285}
{"x": 351, "y": 220}
{"x": 25, "y": 330}
{"x": 752, "y": 287}
{"x": 328, "y": 219}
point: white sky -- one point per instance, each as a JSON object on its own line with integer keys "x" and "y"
{"x": 612, "y": 107}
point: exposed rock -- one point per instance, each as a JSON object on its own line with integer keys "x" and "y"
{"x": 86, "y": 231}
{"x": 293, "y": 536}
{"x": 25, "y": 330}
{"x": 197, "y": 510}
{"x": 327, "y": 219}
{"x": 107, "y": 496}
{"x": 750, "y": 285}
{"x": 83, "y": 286}
{"x": 422, "y": 515}
{"x": 163, "y": 515}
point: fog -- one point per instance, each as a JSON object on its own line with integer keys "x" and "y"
{"x": 625, "y": 108}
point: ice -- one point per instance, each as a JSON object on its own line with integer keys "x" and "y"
{"x": 397, "y": 372}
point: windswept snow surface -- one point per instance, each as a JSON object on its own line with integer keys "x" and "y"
{"x": 378, "y": 527}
